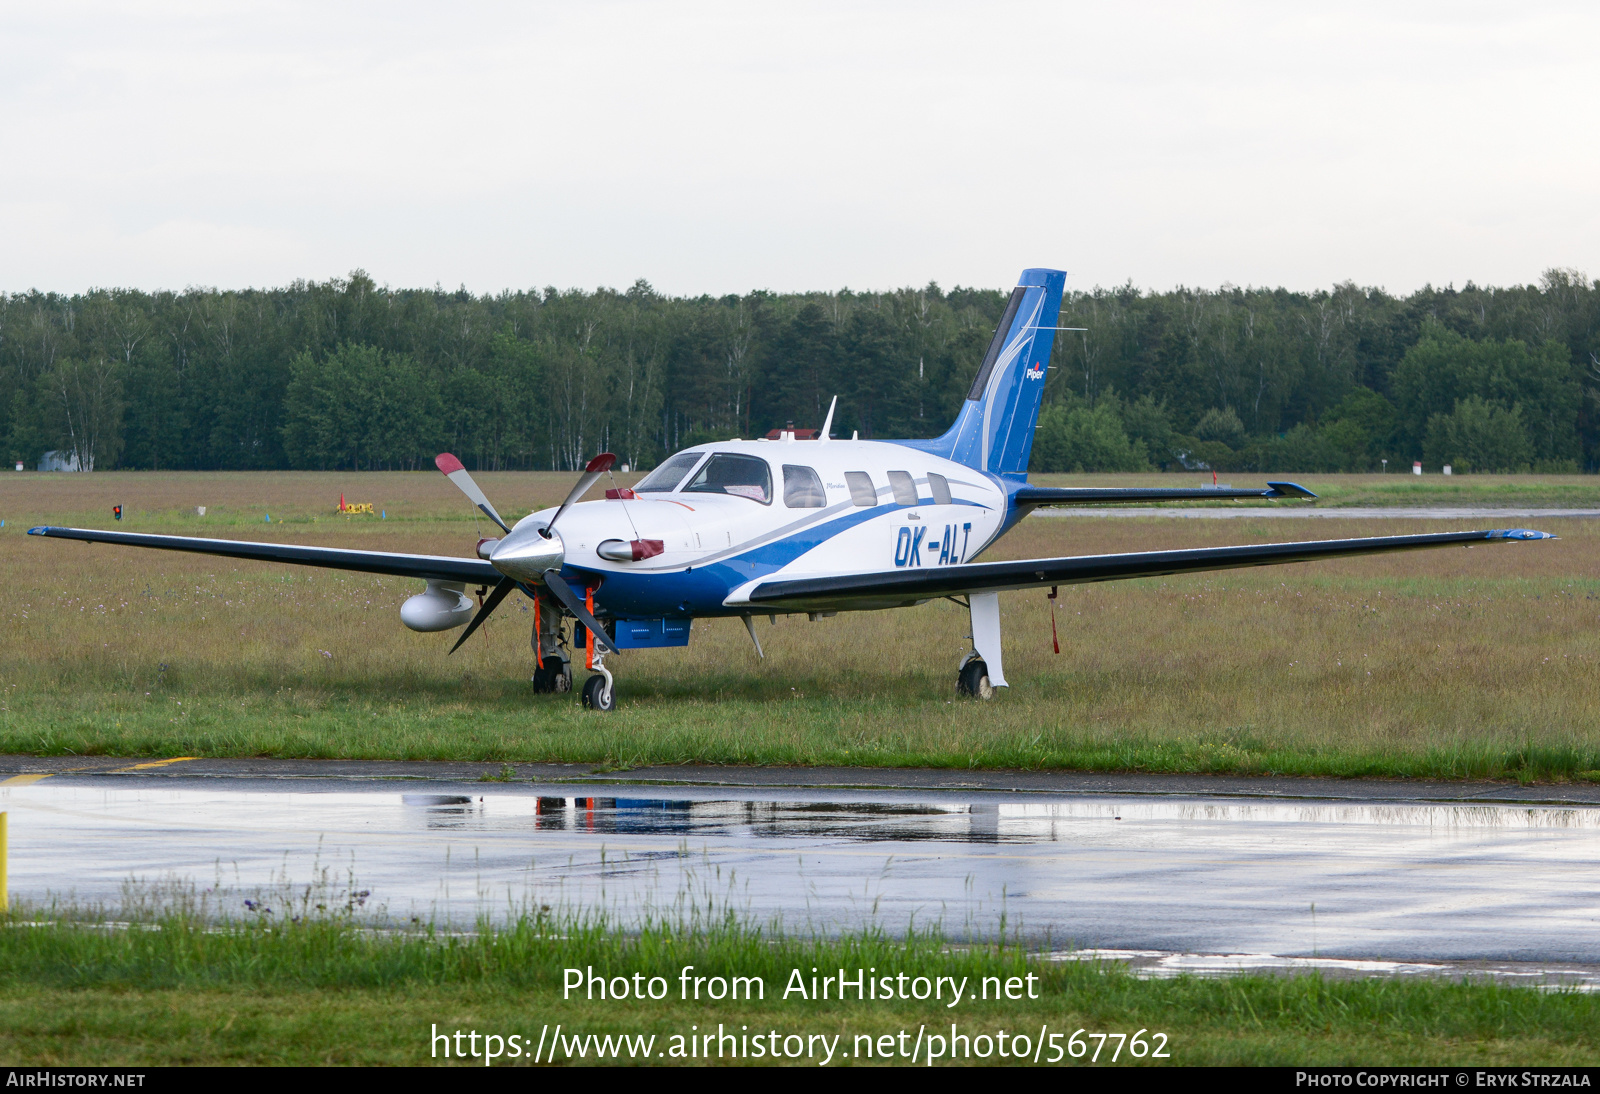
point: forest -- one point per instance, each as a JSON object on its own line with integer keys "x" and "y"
{"x": 345, "y": 374}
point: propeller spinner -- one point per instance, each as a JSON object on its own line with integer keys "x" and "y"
{"x": 531, "y": 555}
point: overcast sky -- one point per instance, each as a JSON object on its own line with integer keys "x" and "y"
{"x": 723, "y": 147}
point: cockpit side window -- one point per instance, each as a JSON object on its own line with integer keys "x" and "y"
{"x": 801, "y": 488}
{"x": 730, "y": 473}
{"x": 939, "y": 487}
{"x": 665, "y": 479}
{"x": 903, "y": 488}
{"x": 862, "y": 492}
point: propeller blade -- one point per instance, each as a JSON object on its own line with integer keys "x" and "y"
{"x": 574, "y": 604}
{"x": 452, "y": 470}
{"x": 504, "y": 586}
{"x": 591, "y": 474}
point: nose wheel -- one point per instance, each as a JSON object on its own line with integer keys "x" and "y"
{"x": 598, "y": 694}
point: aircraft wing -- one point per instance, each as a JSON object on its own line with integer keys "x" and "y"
{"x": 890, "y": 588}
{"x": 473, "y": 571}
{"x": 1108, "y": 495}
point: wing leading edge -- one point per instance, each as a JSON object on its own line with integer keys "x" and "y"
{"x": 883, "y": 589}
{"x": 429, "y": 567}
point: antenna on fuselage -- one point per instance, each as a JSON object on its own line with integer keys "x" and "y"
{"x": 827, "y": 423}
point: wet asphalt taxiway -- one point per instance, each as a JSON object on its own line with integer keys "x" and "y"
{"x": 1229, "y": 869}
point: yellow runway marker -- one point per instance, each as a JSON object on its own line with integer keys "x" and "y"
{"x": 154, "y": 763}
{"x": 24, "y": 780}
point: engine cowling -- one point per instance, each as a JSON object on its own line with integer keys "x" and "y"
{"x": 631, "y": 550}
{"x": 443, "y": 605}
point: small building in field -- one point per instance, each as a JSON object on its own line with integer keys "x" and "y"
{"x": 59, "y": 461}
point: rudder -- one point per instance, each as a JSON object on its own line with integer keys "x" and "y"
{"x": 994, "y": 430}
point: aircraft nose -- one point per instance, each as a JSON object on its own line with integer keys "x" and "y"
{"x": 526, "y": 554}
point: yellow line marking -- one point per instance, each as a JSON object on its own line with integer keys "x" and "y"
{"x": 24, "y": 780}
{"x": 154, "y": 763}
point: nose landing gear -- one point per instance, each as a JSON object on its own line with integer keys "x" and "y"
{"x": 598, "y": 693}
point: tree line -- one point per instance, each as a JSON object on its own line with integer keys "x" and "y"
{"x": 344, "y": 374}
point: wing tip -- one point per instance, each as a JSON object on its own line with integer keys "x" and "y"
{"x": 1520, "y": 533}
{"x": 42, "y": 530}
{"x": 1289, "y": 490}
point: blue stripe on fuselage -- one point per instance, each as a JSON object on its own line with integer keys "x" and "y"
{"x": 701, "y": 590}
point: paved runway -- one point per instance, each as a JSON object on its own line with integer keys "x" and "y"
{"x": 1333, "y": 869}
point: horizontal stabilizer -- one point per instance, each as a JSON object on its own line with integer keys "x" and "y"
{"x": 1133, "y": 495}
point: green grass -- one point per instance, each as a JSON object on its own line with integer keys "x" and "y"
{"x": 183, "y": 987}
{"x": 1448, "y": 664}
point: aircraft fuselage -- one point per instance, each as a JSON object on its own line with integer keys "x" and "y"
{"x": 829, "y": 506}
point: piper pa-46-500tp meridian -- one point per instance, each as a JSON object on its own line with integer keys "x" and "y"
{"x": 753, "y": 528}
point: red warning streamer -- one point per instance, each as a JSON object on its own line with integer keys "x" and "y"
{"x": 588, "y": 640}
{"x": 538, "y": 636}
{"x": 1054, "y": 640}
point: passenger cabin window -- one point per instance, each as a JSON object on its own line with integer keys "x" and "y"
{"x": 903, "y": 487}
{"x": 801, "y": 488}
{"x": 862, "y": 492}
{"x": 665, "y": 479}
{"x": 741, "y": 476}
{"x": 939, "y": 487}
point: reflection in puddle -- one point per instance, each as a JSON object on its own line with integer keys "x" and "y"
{"x": 979, "y": 822}
{"x": 1174, "y": 876}
{"x": 855, "y": 821}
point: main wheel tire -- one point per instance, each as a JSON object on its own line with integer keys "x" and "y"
{"x": 544, "y": 680}
{"x": 973, "y": 680}
{"x": 596, "y": 696}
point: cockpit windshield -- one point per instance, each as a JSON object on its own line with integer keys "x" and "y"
{"x": 741, "y": 476}
{"x": 665, "y": 479}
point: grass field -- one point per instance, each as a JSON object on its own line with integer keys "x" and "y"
{"x": 1458, "y": 663}
{"x": 180, "y": 988}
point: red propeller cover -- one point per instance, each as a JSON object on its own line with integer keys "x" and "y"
{"x": 647, "y": 548}
{"x": 447, "y": 463}
{"x": 601, "y": 462}
{"x": 623, "y": 494}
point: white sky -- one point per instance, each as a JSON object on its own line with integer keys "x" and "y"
{"x": 723, "y": 147}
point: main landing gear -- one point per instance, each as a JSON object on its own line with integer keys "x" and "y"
{"x": 555, "y": 676}
{"x": 550, "y": 647}
{"x": 972, "y": 679}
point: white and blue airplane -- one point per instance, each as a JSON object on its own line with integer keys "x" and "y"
{"x": 763, "y": 527}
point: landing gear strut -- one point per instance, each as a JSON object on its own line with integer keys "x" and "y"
{"x": 598, "y": 694}
{"x": 549, "y": 646}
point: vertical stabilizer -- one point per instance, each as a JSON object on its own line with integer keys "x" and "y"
{"x": 994, "y": 430}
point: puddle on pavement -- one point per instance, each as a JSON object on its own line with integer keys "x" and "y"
{"x": 1177, "y": 877}
{"x": 1158, "y": 965}
{"x": 983, "y": 822}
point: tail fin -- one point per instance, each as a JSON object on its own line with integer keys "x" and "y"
{"x": 994, "y": 431}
